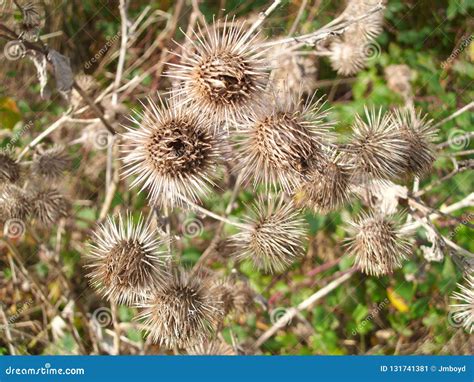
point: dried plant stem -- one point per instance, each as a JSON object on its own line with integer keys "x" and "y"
{"x": 454, "y": 115}
{"x": 261, "y": 18}
{"x": 293, "y": 311}
{"x": 419, "y": 205}
{"x": 113, "y": 308}
{"x": 8, "y": 334}
{"x": 334, "y": 28}
{"x": 63, "y": 119}
{"x": 303, "y": 5}
{"x": 215, "y": 216}
{"x": 210, "y": 250}
{"x": 95, "y": 107}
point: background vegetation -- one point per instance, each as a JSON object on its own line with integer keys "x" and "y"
{"x": 406, "y": 313}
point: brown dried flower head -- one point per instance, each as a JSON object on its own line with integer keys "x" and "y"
{"x": 276, "y": 143}
{"x": 377, "y": 149}
{"x": 223, "y": 71}
{"x": 347, "y": 58}
{"x": 49, "y": 205}
{"x": 51, "y": 163}
{"x": 183, "y": 311}
{"x": 377, "y": 244}
{"x": 9, "y": 169}
{"x": 273, "y": 240}
{"x": 173, "y": 154}
{"x": 211, "y": 348}
{"x": 235, "y": 296}
{"x": 15, "y": 203}
{"x": 125, "y": 261}
{"x": 464, "y": 309}
{"x": 326, "y": 184}
{"x": 418, "y": 134}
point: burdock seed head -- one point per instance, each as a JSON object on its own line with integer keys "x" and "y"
{"x": 211, "y": 348}
{"x": 174, "y": 153}
{"x": 183, "y": 311}
{"x": 377, "y": 149}
{"x": 125, "y": 260}
{"x": 15, "y": 203}
{"x": 51, "y": 163}
{"x": 223, "y": 71}
{"x": 347, "y": 57}
{"x": 418, "y": 134}
{"x": 464, "y": 309}
{"x": 377, "y": 244}
{"x": 276, "y": 143}
{"x": 326, "y": 184}
{"x": 49, "y": 205}
{"x": 273, "y": 240}
{"x": 9, "y": 169}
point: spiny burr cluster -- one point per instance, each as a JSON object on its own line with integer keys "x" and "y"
{"x": 349, "y": 53}
{"x": 29, "y": 190}
{"x": 464, "y": 308}
{"x": 224, "y": 107}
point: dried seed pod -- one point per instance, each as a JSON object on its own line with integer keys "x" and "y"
{"x": 326, "y": 184}
{"x": 273, "y": 240}
{"x": 377, "y": 149}
{"x": 369, "y": 27}
{"x": 125, "y": 261}
{"x": 418, "y": 134}
{"x": 49, "y": 205}
{"x": 223, "y": 71}
{"x": 9, "y": 169}
{"x": 51, "y": 163}
{"x": 242, "y": 297}
{"x": 464, "y": 309}
{"x": 276, "y": 143}
{"x": 211, "y": 348}
{"x": 173, "y": 153}
{"x": 15, "y": 203}
{"x": 183, "y": 311}
{"x": 346, "y": 58}
{"x": 398, "y": 79}
{"x": 377, "y": 244}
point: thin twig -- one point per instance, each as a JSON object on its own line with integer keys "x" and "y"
{"x": 292, "y": 312}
